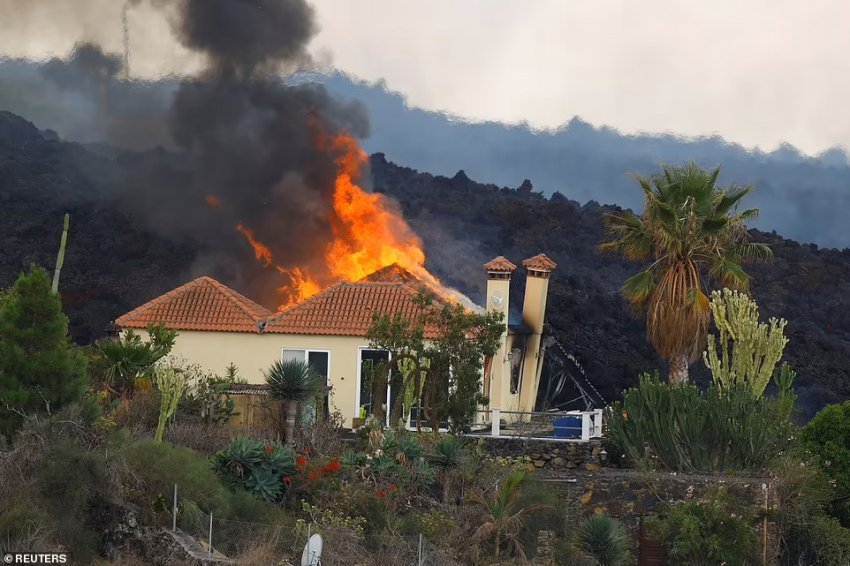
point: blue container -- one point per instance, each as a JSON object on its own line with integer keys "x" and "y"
{"x": 567, "y": 427}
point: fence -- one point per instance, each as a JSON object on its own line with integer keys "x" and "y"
{"x": 562, "y": 425}
{"x": 263, "y": 543}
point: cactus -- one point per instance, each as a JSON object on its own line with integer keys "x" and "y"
{"x": 171, "y": 383}
{"x": 60, "y": 259}
{"x": 749, "y": 350}
{"x": 687, "y": 429}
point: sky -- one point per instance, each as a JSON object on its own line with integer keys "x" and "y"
{"x": 757, "y": 72}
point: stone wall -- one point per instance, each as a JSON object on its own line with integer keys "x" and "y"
{"x": 552, "y": 455}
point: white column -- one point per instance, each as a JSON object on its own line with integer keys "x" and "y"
{"x": 495, "y": 421}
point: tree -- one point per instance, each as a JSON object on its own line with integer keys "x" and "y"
{"x": 293, "y": 382}
{"x": 692, "y": 233}
{"x": 504, "y": 517}
{"x": 123, "y": 363}
{"x": 443, "y": 373}
{"x": 40, "y": 368}
{"x": 749, "y": 350}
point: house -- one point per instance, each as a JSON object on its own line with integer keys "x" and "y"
{"x": 218, "y": 326}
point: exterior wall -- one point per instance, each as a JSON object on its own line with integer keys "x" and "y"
{"x": 500, "y": 366}
{"x": 533, "y": 312}
{"x": 254, "y": 353}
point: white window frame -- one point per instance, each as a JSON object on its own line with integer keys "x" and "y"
{"x": 307, "y": 352}
{"x": 360, "y": 350}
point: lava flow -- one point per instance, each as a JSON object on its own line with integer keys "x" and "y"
{"x": 367, "y": 233}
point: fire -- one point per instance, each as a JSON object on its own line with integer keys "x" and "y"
{"x": 368, "y": 234}
{"x": 212, "y": 201}
{"x": 261, "y": 251}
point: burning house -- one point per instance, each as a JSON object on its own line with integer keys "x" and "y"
{"x": 218, "y": 326}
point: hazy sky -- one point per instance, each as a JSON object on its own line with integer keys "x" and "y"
{"x": 758, "y": 72}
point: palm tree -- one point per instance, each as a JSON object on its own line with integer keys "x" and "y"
{"x": 503, "y": 518}
{"x": 447, "y": 455}
{"x": 692, "y": 232}
{"x": 604, "y": 539}
{"x": 294, "y": 382}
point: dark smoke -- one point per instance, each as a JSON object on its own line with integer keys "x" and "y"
{"x": 247, "y": 139}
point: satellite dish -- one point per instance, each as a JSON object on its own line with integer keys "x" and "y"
{"x": 312, "y": 551}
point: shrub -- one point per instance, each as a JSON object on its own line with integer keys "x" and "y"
{"x": 828, "y": 436}
{"x": 831, "y": 541}
{"x": 264, "y": 470}
{"x": 687, "y": 429}
{"x": 715, "y": 529}
{"x": 603, "y": 539}
{"x": 162, "y": 465}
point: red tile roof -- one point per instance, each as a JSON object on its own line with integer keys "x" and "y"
{"x": 344, "y": 309}
{"x": 540, "y": 262}
{"x": 500, "y": 263}
{"x": 347, "y": 309}
{"x": 202, "y": 304}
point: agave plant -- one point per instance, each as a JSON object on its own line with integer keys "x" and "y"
{"x": 503, "y": 518}
{"x": 264, "y": 484}
{"x": 293, "y": 382}
{"x": 259, "y": 468}
{"x": 603, "y": 539}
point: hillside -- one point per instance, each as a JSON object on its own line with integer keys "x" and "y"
{"x": 115, "y": 261}
{"x": 804, "y": 198}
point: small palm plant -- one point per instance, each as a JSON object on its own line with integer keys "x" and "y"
{"x": 503, "y": 518}
{"x": 293, "y": 382}
{"x": 603, "y": 539}
{"x": 447, "y": 455}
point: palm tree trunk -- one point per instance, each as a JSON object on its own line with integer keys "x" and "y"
{"x": 678, "y": 369}
{"x": 291, "y": 410}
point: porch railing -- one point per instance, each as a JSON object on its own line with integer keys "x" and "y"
{"x": 561, "y": 425}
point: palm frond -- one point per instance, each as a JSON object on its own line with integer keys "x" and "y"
{"x": 293, "y": 380}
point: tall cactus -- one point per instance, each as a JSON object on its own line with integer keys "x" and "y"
{"x": 171, "y": 384}
{"x": 749, "y": 350}
{"x": 60, "y": 259}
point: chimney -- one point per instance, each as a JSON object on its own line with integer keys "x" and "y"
{"x": 497, "y": 379}
{"x": 539, "y": 269}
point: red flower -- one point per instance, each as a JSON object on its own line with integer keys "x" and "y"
{"x": 268, "y": 449}
{"x": 313, "y": 476}
{"x": 392, "y": 487}
{"x": 332, "y": 466}
{"x": 287, "y": 480}
{"x": 380, "y": 492}
{"x": 300, "y": 462}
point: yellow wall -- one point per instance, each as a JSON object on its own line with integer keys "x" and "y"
{"x": 533, "y": 313}
{"x": 253, "y": 353}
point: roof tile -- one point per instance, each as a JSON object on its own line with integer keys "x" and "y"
{"x": 201, "y": 304}
{"x": 540, "y": 262}
{"x": 500, "y": 263}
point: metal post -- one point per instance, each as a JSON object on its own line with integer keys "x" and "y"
{"x": 209, "y": 540}
{"x": 495, "y": 421}
{"x": 420, "y": 550}
{"x": 174, "y": 511}
{"x": 585, "y": 425}
{"x": 309, "y": 531}
{"x": 597, "y": 423}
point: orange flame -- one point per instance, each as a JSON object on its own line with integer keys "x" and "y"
{"x": 212, "y": 201}
{"x": 368, "y": 234}
{"x": 261, "y": 251}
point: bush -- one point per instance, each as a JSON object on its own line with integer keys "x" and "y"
{"x": 828, "y": 436}
{"x": 264, "y": 470}
{"x": 162, "y": 465}
{"x": 604, "y": 539}
{"x": 715, "y": 529}
{"x": 831, "y": 541}
{"x": 687, "y": 429}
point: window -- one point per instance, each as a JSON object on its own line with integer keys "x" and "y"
{"x": 370, "y": 360}
{"x": 320, "y": 360}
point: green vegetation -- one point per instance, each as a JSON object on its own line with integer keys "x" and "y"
{"x": 688, "y": 429}
{"x": 749, "y": 350}
{"x": 124, "y": 364}
{"x": 171, "y": 383}
{"x": 293, "y": 382}
{"x": 603, "y": 539}
{"x": 41, "y": 370}
{"x": 692, "y": 232}
{"x": 264, "y": 470}
{"x": 451, "y": 360}
{"x": 715, "y": 529}
{"x": 828, "y": 437}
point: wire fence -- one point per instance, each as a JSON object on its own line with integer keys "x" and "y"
{"x": 264, "y": 543}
